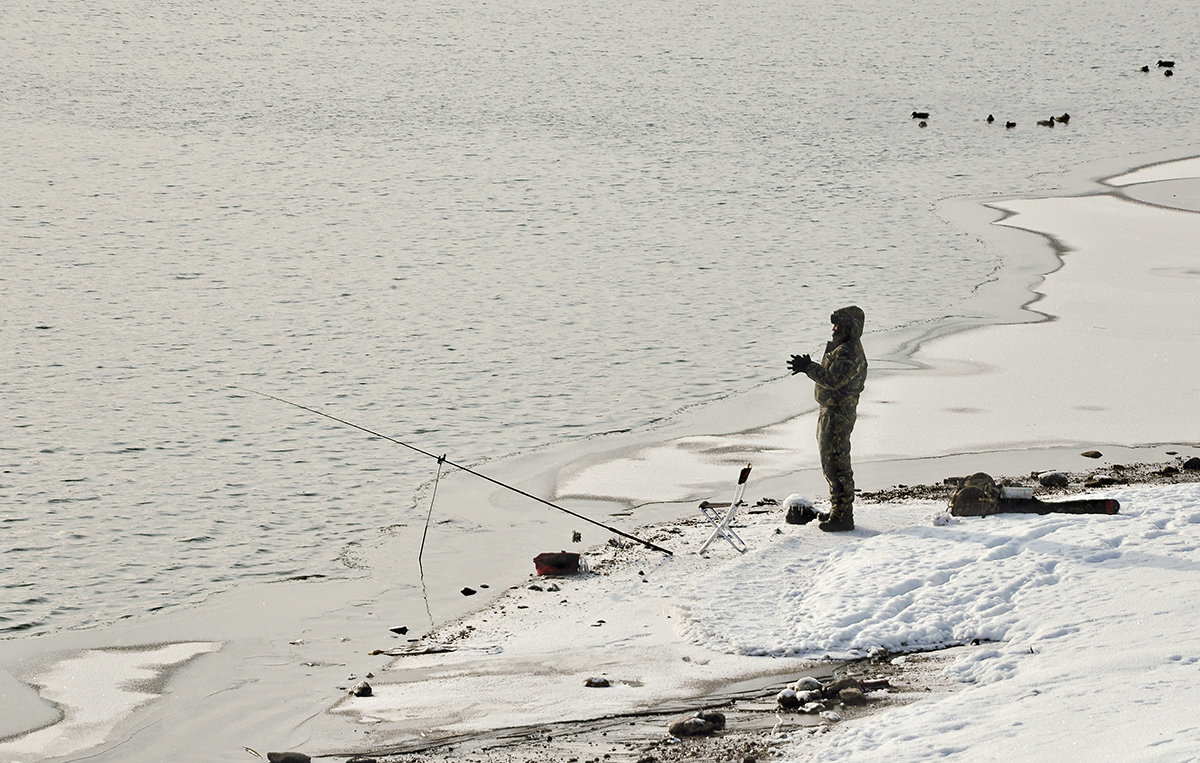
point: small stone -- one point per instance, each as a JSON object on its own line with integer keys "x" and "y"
{"x": 362, "y": 689}
{"x": 852, "y": 696}
{"x": 1098, "y": 480}
{"x": 597, "y": 682}
{"x": 831, "y": 716}
{"x": 1168, "y": 470}
{"x": 690, "y": 727}
{"x": 834, "y": 689}
{"x": 288, "y": 757}
{"x": 715, "y": 717}
{"x": 808, "y": 683}
{"x": 1091, "y": 454}
{"x": 1192, "y": 464}
{"x": 787, "y": 699}
{"x": 361, "y": 759}
{"x": 702, "y": 723}
{"x": 1053, "y": 479}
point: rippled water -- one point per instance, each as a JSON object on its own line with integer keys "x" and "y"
{"x": 480, "y": 228}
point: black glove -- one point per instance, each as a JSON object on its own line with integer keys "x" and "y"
{"x": 799, "y": 363}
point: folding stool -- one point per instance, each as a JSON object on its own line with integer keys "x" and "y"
{"x": 723, "y": 523}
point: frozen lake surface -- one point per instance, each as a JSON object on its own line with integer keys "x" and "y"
{"x": 479, "y": 229}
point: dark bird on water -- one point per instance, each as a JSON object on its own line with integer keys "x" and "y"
{"x": 1168, "y": 73}
{"x": 1010, "y": 125}
{"x": 1166, "y": 64}
{"x": 1046, "y": 122}
{"x": 1144, "y": 69}
{"x": 920, "y": 115}
{"x": 990, "y": 119}
{"x": 1063, "y": 119}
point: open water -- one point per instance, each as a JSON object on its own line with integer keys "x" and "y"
{"x": 481, "y": 228}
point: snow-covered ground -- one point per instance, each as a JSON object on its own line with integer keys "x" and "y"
{"x": 1088, "y": 621}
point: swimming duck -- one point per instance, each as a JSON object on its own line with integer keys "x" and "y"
{"x": 1046, "y": 122}
{"x": 1063, "y": 119}
{"x": 1166, "y": 64}
{"x": 1168, "y": 73}
{"x": 1010, "y": 125}
{"x": 990, "y": 119}
{"x": 920, "y": 115}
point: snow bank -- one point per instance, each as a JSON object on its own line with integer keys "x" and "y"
{"x": 1100, "y": 658}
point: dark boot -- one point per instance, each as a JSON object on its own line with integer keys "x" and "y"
{"x": 837, "y": 524}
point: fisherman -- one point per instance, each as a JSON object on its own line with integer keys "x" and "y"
{"x": 839, "y": 379}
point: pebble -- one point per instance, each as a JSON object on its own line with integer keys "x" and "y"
{"x": 852, "y": 696}
{"x": 808, "y": 683}
{"x": 1053, "y": 479}
{"x": 702, "y": 723}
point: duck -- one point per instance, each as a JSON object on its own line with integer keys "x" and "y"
{"x": 922, "y": 123}
{"x": 1168, "y": 73}
{"x": 920, "y": 115}
{"x": 1046, "y": 122}
{"x": 1009, "y": 125}
{"x": 1144, "y": 69}
{"x": 1063, "y": 119}
{"x": 1166, "y": 64}
{"x": 990, "y": 119}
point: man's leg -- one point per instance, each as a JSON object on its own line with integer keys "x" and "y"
{"x": 834, "y": 426}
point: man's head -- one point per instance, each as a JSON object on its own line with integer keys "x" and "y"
{"x": 847, "y": 323}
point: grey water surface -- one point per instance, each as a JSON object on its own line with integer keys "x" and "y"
{"x": 481, "y": 228}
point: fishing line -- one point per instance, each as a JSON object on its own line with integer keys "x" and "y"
{"x": 432, "y": 498}
{"x": 420, "y": 566}
{"x": 468, "y": 470}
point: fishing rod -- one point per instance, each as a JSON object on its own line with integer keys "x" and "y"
{"x": 443, "y": 460}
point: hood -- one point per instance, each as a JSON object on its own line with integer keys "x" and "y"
{"x": 851, "y": 317}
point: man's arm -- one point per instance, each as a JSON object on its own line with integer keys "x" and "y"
{"x": 843, "y": 366}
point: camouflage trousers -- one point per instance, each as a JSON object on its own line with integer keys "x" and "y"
{"x": 834, "y": 425}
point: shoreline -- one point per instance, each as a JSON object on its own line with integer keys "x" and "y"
{"x": 755, "y": 722}
{"x": 319, "y": 635}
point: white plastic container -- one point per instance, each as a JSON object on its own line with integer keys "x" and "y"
{"x": 1016, "y": 492}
